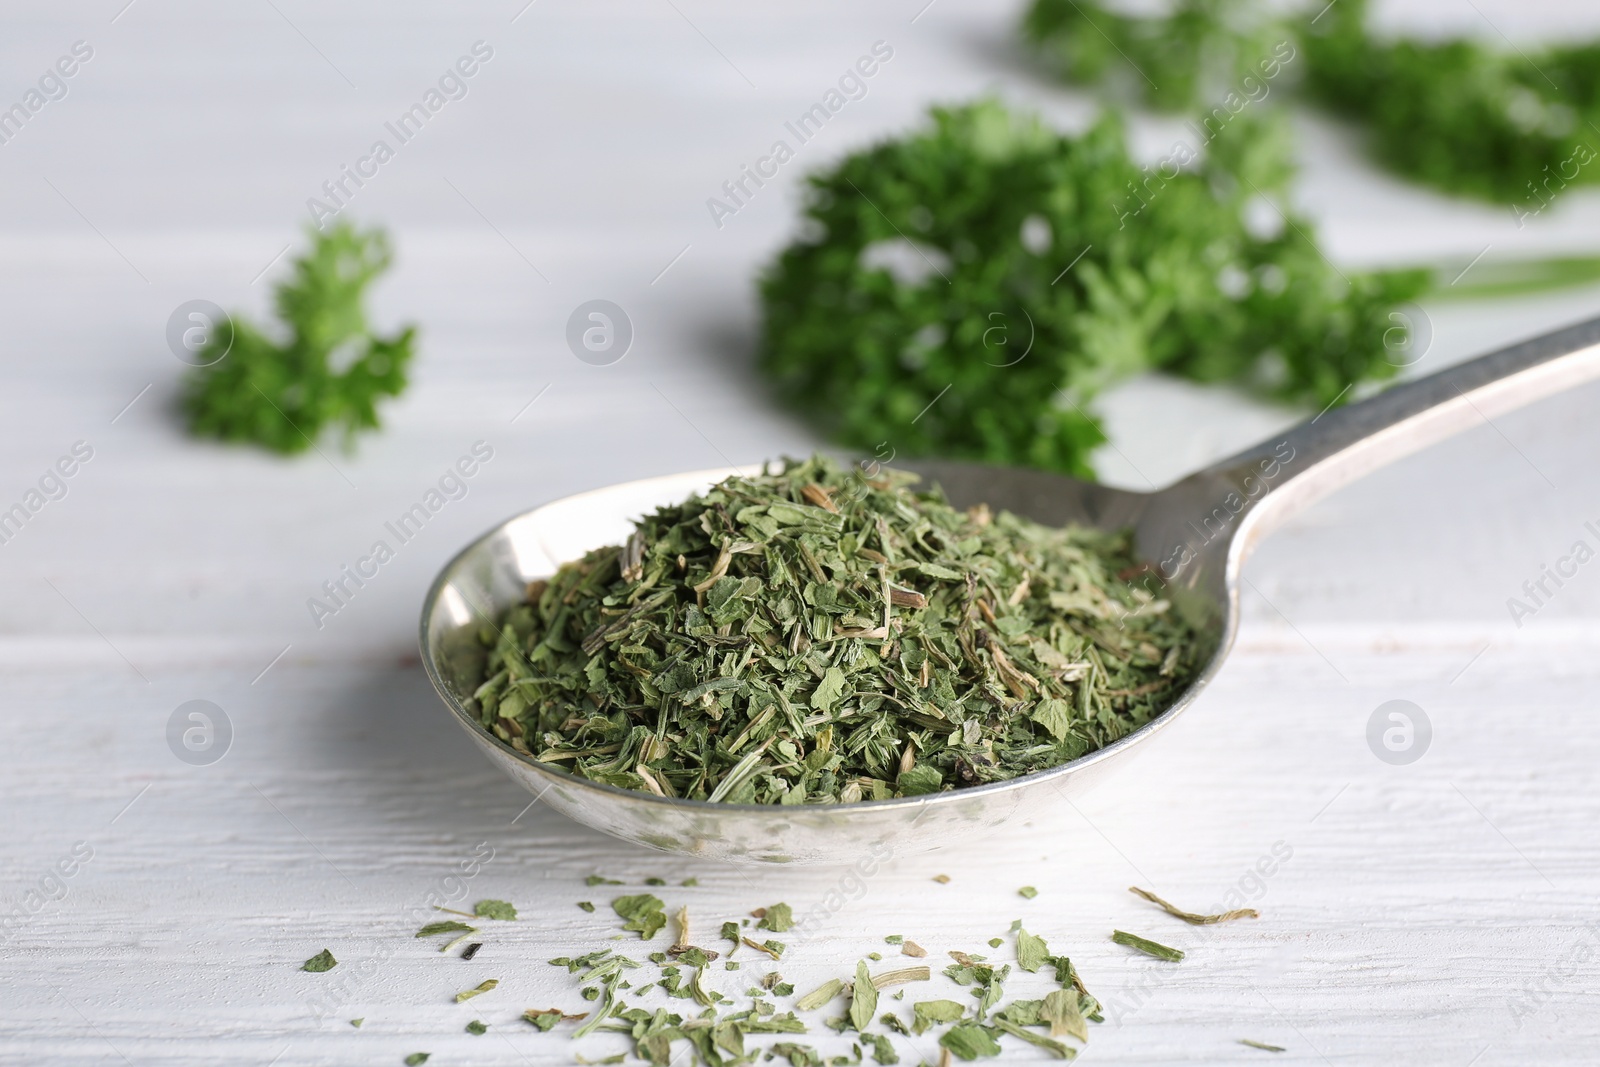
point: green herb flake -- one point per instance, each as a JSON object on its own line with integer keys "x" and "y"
{"x": 894, "y": 939}
{"x": 417, "y": 1058}
{"x": 863, "y": 998}
{"x": 969, "y": 1041}
{"x": 798, "y": 1055}
{"x": 655, "y": 881}
{"x": 477, "y": 990}
{"x": 926, "y": 1014}
{"x": 586, "y": 905}
{"x": 1062, "y": 1010}
{"x": 448, "y": 927}
{"x": 777, "y": 918}
{"x": 1028, "y": 891}
{"x": 996, "y": 942}
{"x": 322, "y": 961}
{"x": 882, "y": 1049}
{"x": 643, "y": 912}
{"x": 600, "y": 879}
{"x": 357, "y": 1022}
{"x": 1032, "y": 952}
{"x": 1148, "y": 947}
{"x": 1192, "y": 918}
{"x": 494, "y": 909}
{"x": 545, "y": 1019}
{"x": 689, "y": 883}
{"x": 1262, "y": 1045}
{"x": 477, "y": 1027}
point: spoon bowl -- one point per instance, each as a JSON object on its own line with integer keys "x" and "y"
{"x": 1195, "y": 535}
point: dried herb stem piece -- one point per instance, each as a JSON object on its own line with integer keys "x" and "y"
{"x": 914, "y": 950}
{"x": 771, "y": 948}
{"x": 1193, "y": 918}
{"x": 1262, "y": 1045}
{"x": 477, "y": 990}
{"x": 1148, "y": 947}
{"x": 820, "y": 995}
{"x": 1050, "y": 1045}
{"x": 448, "y": 926}
{"x": 888, "y": 979}
{"x": 681, "y": 944}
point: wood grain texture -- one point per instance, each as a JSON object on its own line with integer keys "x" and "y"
{"x": 1424, "y": 914}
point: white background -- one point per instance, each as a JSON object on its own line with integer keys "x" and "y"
{"x": 1418, "y": 907}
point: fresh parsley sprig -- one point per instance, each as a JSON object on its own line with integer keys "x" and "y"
{"x": 966, "y": 290}
{"x": 329, "y": 368}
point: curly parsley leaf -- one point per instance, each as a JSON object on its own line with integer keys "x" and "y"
{"x": 326, "y": 367}
{"x": 966, "y": 290}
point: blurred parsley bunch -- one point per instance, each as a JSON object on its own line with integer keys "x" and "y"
{"x": 1468, "y": 118}
{"x": 967, "y": 290}
{"x": 329, "y": 369}
{"x": 1189, "y": 58}
{"x": 1460, "y": 115}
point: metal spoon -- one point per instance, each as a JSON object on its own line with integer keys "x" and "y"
{"x": 1196, "y": 533}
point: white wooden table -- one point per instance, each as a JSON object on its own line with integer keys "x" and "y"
{"x": 1443, "y": 912}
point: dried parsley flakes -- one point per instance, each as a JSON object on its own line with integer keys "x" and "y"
{"x": 1148, "y": 947}
{"x": 494, "y": 909}
{"x": 322, "y": 961}
{"x": 810, "y": 635}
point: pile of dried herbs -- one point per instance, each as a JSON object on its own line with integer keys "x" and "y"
{"x": 811, "y": 635}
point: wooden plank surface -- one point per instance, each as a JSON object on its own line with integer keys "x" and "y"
{"x": 1442, "y": 912}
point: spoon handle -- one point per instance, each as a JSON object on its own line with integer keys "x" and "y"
{"x": 1285, "y": 474}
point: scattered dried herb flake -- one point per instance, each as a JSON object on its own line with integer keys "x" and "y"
{"x": 322, "y": 961}
{"x": 477, "y": 990}
{"x": 1262, "y": 1045}
{"x": 1193, "y": 918}
{"x": 1148, "y": 947}
{"x": 494, "y": 909}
